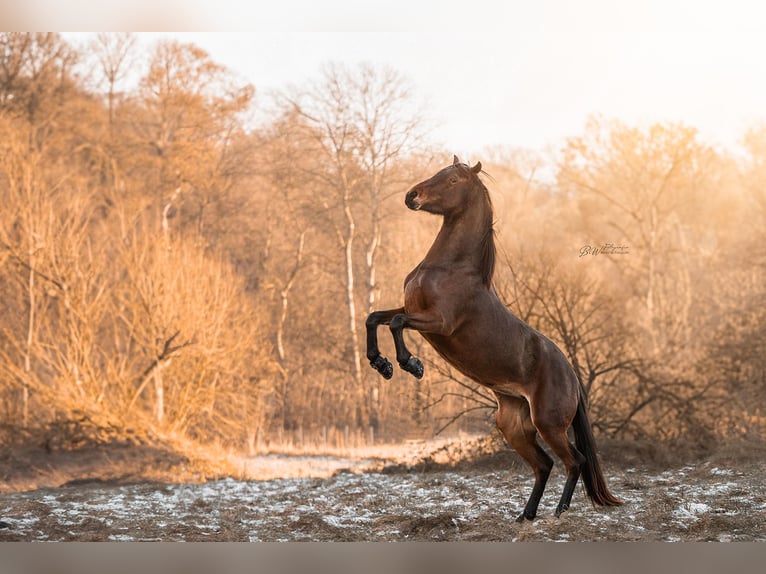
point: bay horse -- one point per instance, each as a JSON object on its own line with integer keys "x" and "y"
{"x": 450, "y": 300}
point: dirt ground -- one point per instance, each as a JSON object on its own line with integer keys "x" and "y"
{"x": 446, "y": 491}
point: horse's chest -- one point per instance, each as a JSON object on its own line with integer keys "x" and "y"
{"x": 413, "y": 295}
{"x": 422, "y": 290}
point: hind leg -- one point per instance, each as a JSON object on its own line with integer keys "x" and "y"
{"x": 554, "y": 432}
{"x": 513, "y": 420}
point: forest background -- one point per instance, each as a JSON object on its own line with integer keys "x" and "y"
{"x": 168, "y": 267}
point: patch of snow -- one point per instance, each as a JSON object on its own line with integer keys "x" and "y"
{"x": 333, "y": 521}
{"x": 698, "y": 507}
{"x": 720, "y": 488}
{"x": 689, "y": 511}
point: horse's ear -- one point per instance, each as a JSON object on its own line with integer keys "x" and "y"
{"x": 455, "y": 160}
{"x": 477, "y": 167}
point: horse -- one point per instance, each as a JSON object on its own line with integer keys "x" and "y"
{"x": 449, "y": 298}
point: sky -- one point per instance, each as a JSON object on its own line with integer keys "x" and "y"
{"x": 494, "y": 73}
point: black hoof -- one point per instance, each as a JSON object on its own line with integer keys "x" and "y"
{"x": 523, "y": 516}
{"x": 559, "y": 510}
{"x": 414, "y": 366}
{"x": 383, "y": 366}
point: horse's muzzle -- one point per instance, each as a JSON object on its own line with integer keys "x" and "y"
{"x": 411, "y": 200}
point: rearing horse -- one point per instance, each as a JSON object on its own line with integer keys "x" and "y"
{"x": 449, "y": 298}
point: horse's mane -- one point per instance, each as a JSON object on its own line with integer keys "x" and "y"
{"x": 488, "y": 250}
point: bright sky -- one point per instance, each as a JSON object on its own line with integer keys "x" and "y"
{"x": 517, "y": 72}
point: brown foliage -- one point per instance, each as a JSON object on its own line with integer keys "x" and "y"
{"x": 166, "y": 266}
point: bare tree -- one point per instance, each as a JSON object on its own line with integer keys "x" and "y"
{"x": 115, "y": 52}
{"x": 34, "y": 80}
{"x": 364, "y": 121}
{"x": 583, "y": 315}
{"x": 642, "y": 189}
{"x": 35, "y": 76}
{"x": 190, "y": 121}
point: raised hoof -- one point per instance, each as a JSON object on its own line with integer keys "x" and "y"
{"x": 413, "y": 366}
{"x": 383, "y": 366}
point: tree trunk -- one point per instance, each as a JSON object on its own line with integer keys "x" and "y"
{"x": 284, "y": 295}
{"x": 349, "y": 260}
{"x": 651, "y": 271}
{"x": 159, "y": 395}
{"x": 30, "y": 342}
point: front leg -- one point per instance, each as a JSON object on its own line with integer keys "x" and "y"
{"x": 422, "y": 322}
{"x": 377, "y": 361}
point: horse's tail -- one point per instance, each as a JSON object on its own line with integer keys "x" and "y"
{"x": 592, "y": 476}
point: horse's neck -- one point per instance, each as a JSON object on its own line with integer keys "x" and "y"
{"x": 460, "y": 238}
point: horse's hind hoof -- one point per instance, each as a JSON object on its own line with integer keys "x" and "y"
{"x": 383, "y": 366}
{"x": 413, "y": 366}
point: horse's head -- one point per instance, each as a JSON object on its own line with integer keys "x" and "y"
{"x": 449, "y": 191}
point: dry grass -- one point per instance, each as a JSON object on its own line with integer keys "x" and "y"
{"x": 446, "y": 490}
{"x": 85, "y": 453}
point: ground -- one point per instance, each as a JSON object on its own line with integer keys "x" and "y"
{"x": 449, "y": 491}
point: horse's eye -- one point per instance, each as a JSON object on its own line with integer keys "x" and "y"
{"x": 453, "y": 180}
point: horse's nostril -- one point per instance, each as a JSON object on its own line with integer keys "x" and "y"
{"x": 411, "y": 200}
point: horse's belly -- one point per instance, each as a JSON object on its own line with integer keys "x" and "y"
{"x": 484, "y": 364}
